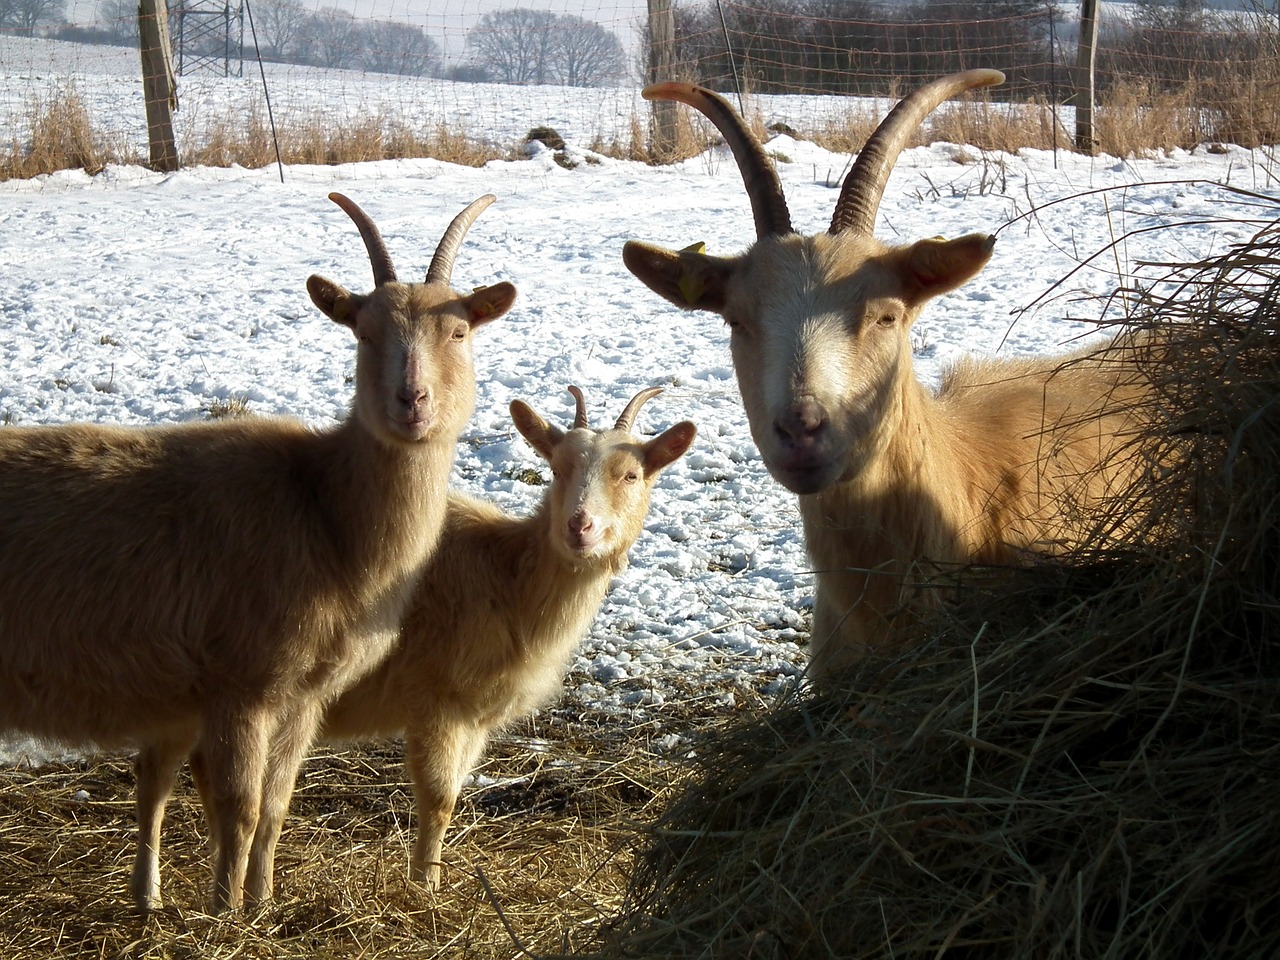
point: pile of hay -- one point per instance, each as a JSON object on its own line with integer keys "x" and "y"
{"x": 1082, "y": 761}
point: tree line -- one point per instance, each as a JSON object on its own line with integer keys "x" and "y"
{"x": 516, "y": 45}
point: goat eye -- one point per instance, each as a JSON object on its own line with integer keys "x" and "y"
{"x": 887, "y": 320}
{"x": 630, "y": 477}
{"x": 459, "y": 333}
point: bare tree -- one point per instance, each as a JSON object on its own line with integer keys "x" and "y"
{"x": 586, "y": 54}
{"x": 400, "y": 48}
{"x": 23, "y": 16}
{"x": 520, "y": 45}
{"x": 330, "y": 38}
{"x": 515, "y": 45}
{"x": 119, "y": 19}
{"x": 278, "y": 25}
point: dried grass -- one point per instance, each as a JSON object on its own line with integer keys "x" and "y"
{"x": 1079, "y": 760}
{"x": 58, "y": 134}
{"x": 536, "y": 856}
{"x": 245, "y": 138}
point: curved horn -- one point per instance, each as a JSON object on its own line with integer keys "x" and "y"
{"x": 768, "y": 205}
{"x": 383, "y": 271}
{"x": 580, "y": 418}
{"x": 441, "y": 269}
{"x": 627, "y": 419}
{"x": 863, "y": 187}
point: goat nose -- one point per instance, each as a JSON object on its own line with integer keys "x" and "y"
{"x": 413, "y": 394}
{"x": 581, "y": 522}
{"x": 802, "y": 422}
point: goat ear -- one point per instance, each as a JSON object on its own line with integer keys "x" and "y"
{"x": 669, "y": 446}
{"x": 541, "y": 435}
{"x": 935, "y": 266}
{"x": 688, "y": 278}
{"x": 335, "y": 301}
{"x": 489, "y": 303}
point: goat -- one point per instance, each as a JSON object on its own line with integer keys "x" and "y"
{"x": 1002, "y": 462}
{"x": 220, "y": 580}
{"x": 499, "y": 609}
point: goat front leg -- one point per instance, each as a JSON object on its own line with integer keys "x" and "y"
{"x": 154, "y": 770}
{"x": 439, "y": 756}
{"x": 289, "y": 748}
{"x": 234, "y": 747}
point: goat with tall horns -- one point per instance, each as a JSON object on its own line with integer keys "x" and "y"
{"x": 1000, "y": 461}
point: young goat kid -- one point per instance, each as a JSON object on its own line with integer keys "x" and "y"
{"x": 501, "y": 607}
{"x": 221, "y": 580}
{"x": 1006, "y": 458}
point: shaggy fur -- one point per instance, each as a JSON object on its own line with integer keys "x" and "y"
{"x": 220, "y": 580}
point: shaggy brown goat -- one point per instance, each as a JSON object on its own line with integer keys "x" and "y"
{"x": 222, "y": 580}
{"x": 1005, "y": 458}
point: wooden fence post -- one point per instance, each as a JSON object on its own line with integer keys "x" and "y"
{"x": 1086, "y": 64}
{"x": 159, "y": 88}
{"x": 662, "y": 42}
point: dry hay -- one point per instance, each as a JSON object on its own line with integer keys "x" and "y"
{"x": 1079, "y": 761}
{"x": 538, "y": 853}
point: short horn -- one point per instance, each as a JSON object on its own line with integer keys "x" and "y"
{"x": 441, "y": 269}
{"x": 383, "y": 271}
{"x": 628, "y": 417}
{"x": 768, "y": 205}
{"x": 580, "y": 417}
{"x": 863, "y": 187}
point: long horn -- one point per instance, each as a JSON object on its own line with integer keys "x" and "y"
{"x": 580, "y": 418}
{"x": 864, "y": 186}
{"x": 441, "y": 269}
{"x": 768, "y": 205}
{"x": 628, "y": 417}
{"x": 383, "y": 271}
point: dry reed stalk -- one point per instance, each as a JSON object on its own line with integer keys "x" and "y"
{"x": 58, "y": 135}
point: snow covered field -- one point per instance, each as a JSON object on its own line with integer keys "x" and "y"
{"x": 135, "y": 297}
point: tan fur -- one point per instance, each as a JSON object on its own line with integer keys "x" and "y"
{"x": 221, "y": 580}
{"x": 1007, "y": 458}
{"x": 499, "y": 610}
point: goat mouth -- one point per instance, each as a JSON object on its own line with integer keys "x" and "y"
{"x": 583, "y": 547}
{"x": 806, "y": 478}
{"x": 414, "y": 428}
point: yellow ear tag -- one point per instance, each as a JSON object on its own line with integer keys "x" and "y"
{"x": 691, "y": 287}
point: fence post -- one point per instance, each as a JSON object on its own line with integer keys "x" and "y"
{"x": 662, "y": 42}
{"x": 1086, "y": 68}
{"x": 159, "y": 89}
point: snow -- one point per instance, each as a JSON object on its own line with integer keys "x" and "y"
{"x": 135, "y": 297}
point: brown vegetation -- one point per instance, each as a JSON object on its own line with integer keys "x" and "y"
{"x": 59, "y": 135}
{"x": 540, "y": 853}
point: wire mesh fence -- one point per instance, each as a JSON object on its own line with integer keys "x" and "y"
{"x": 1198, "y": 73}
